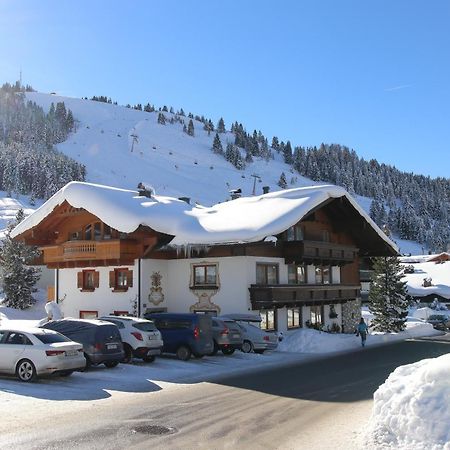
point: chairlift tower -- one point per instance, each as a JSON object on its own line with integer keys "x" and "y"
{"x": 255, "y": 177}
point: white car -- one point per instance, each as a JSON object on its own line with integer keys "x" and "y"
{"x": 140, "y": 337}
{"x": 33, "y": 352}
{"x": 254, "y": 338}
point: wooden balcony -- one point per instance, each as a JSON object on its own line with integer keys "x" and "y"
{"x": 279, "y": 295}
{"x": 117, "y": 250}
{"x": 310, "y": 252}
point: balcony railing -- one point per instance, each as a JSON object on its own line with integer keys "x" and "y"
{"x": 266, "y": 296}
{"x": 89, "y": 250}
{"x": 318, "y": 251}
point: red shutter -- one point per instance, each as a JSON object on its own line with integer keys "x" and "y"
{"x": 96, "y": 279}
{"x": 112, "y": 279}
{"x": 80, "y": 280}
{"x": 130, "y": 278}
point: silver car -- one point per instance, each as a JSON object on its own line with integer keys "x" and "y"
{"x": 254, "y": 339}
{"x": 227, "y": 335}
{"x": 32, "y": 352}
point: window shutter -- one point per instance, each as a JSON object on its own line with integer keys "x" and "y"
{"x": 130, "y": 278}
{"x": 96, "y": 279}
{"x": 112, "y": 279}
{"x": 80, "y": 280}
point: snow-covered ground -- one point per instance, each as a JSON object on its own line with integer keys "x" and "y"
{"x": 412, "y": 408}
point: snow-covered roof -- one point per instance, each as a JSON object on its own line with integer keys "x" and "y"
{"x": 439, "y": 274}
{"x": 247, "y": 219}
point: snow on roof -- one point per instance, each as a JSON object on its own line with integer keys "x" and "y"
{"x": 440, "y": 279}
{"x": 247, "y": 219}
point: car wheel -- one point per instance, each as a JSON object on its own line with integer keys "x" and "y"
{"x": 88, "y": 363}
{"x": 183, "y": 353}
{"x": 149, "y": 358}
{"x": 260, "y": 352}
{"x": 215, "y": 349}
{"x": 111, "y": 364}
{"x": 128, "y": 354}
{"x": 25, "y": 370}
{"x": 66, "y": 373}
{"x": 228, "y": 351}
{"x": 247, "y": 347}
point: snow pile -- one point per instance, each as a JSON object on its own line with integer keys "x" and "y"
{"x": 26, "y": 317}
{"x": 423, "y": 313}
{"x": 307, "y": 340}
{"x": 412, "y": 408}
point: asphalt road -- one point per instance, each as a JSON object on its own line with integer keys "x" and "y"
{"x": 320, "y": 404}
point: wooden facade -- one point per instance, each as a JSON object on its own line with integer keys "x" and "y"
{"x": 332, "y": 235}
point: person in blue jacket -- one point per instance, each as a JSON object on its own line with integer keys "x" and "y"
{"x": 362, "y": 330}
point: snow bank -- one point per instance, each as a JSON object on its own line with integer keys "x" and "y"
{"x": 424, "y": 313}
{"x": 412, "y": 408}
{"x": 26, "y": 317}
{"x": 306, "y": 340}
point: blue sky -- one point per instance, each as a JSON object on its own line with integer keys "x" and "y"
{"x": 372, "y": 75}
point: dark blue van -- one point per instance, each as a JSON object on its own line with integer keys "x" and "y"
{"x": 184, "y": 334}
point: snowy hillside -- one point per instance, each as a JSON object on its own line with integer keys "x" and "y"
{"x": 122, "y": 146}
{"x": 162, "y": 156}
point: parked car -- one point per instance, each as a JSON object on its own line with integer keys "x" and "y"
{"x": 101, "y": 340}
{"x": 254, "y": 339}
{"x": 439, "y": 321}
{"x": 184, "y": 334}
{"x": 227, "y": 335}
{"x": 35, "y": 352}
{"x": 140, "y": 337}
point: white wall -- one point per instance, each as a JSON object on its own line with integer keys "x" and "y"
{"x": 102, "y": 299}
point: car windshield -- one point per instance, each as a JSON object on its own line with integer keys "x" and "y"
{"x": 51, "y": 338}
{"x": 145, "y": 326}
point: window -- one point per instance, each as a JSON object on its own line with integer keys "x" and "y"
{"x": 17, "y": 339}
{"x": 294, "y": 233}
{"x": 325, "y": 236}
{"x": 88, "y": 232}
{"x": 205, "y": 275}
{"x": 106, "y": 231}
{"x": 75, "y": 236}
{"x": 88, "y": 314}
{"x": 88, "y": 280}
{"x": 266, "y": 273}
{"x": 296, "y": 274}
{"x": 267, "y": 319}
{"x": 97, "y": 231}
{"x": 120, "y": 280}
{"x": 316, "y": 315}
{"x": 323, "y": 274}
{"x": 293, "y": 318}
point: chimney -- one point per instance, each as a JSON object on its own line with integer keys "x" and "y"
{"x": 266, "y": 189}
{"x": 185, "y": 199}
{"x": 143, "y": 191}
{"x": 235, "y": 193}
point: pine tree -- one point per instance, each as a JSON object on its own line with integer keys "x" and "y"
{"x": 282, "y": 181}
{"x": 388, "y": 297}
{"x": 221, "y": 126}
{"x": 217, "y": 145}
{"x": 19, "y": 279}
{"x": 190, "y": 128}
{"x": 161, "y": 118}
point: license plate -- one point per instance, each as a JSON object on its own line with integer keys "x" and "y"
{"x": 154, "y": 351}
{"x": 111, "y": 346}
{"x": 71, "y": 353}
